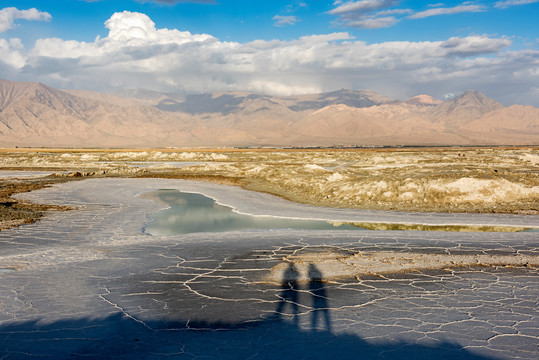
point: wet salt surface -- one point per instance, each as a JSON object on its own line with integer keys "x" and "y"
{"x": 90, "y": 283}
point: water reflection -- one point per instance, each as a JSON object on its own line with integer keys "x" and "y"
{"x": 191, "y": 213}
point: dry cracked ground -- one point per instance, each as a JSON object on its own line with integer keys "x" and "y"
{"x": 85, "y": 282}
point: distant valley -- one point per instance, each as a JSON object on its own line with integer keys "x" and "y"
{"x": 33, "y": 114}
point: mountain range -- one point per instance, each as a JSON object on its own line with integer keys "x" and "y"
{"x": 33, "y": 114}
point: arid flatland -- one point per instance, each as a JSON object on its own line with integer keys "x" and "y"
{"x": 502, "y": 180}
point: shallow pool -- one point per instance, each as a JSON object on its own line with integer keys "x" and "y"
{"x": 192, "y": 213}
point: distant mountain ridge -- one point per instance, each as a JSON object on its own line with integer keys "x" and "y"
{"x": 33, "y": 114}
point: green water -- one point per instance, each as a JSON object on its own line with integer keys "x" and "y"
{"x": 193, "y": 213}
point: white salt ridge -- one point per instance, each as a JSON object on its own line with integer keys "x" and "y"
{"x": 314, "y": 167}
{"x": 485, "y": 190}
{"x": 335, "y": 177}
{"x": 532, "y": 158}
{"x": 163, "y": 156}
{"x": 257, "y": 169}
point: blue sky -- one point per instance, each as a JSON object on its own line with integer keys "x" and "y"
{"x": 397, "y": 48}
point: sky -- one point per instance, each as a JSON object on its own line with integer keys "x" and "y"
{"x": 281, "y": 47}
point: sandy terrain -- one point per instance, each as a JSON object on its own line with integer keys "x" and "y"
{"x": 501, "y": 180}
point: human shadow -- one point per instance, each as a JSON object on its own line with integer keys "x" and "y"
{"x": 289, "y": 294}
{"x": 121, "y": 337}
{"x": 319, "y": 299}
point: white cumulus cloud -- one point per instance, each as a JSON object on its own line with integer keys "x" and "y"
{"x": 11, "y": 53}
{"x": 10, "y": 14}
{"x": 137, "y": 54}
{"x": 474, "y": 45}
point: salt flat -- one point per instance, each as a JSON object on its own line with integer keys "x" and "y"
{"x": 90, "y": 283}
{"x": 14, "y": 174}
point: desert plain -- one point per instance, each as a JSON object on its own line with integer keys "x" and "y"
{"x": 444, "y": 264}
{"x": 484, "y": 180}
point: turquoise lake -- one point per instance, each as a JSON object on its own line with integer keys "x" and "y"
{"x": 194, "y": 213}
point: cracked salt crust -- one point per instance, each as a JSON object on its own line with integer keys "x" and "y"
{"x": 335, "y": 265}
{"x": 203, "y": 295}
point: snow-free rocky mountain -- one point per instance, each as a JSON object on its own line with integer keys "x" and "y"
{"x": 33, "y": 114}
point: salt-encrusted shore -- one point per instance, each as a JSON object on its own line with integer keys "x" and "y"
{"x": 89, "y": 282}
{"x": 453, "y": 180}
{"x": 260, "y": 204}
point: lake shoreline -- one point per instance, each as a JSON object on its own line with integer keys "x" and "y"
{"x": 441, "y": 180}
